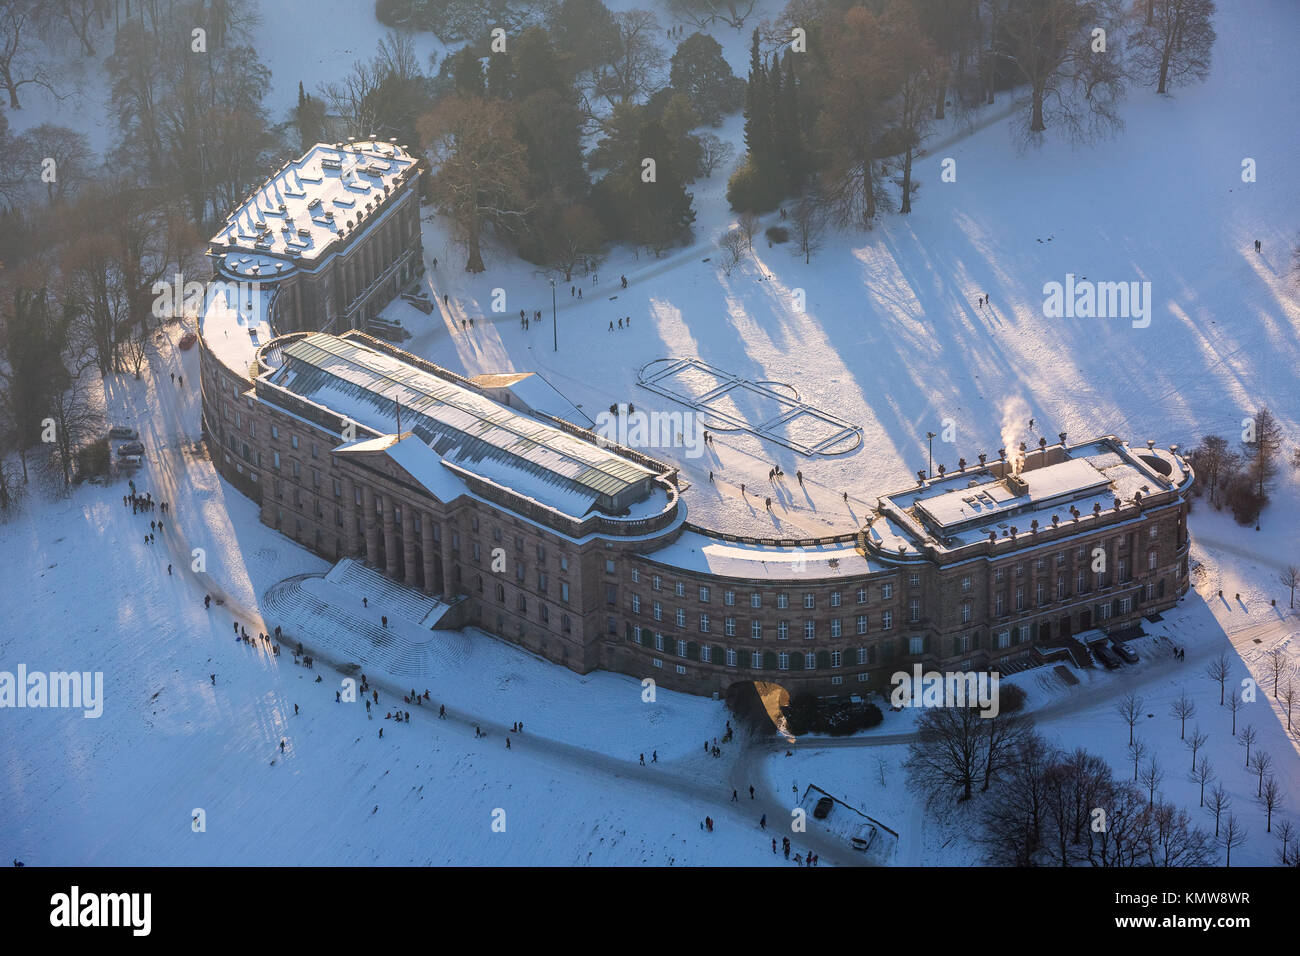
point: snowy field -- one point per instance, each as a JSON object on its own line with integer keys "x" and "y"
{"x": 890, "y": 340}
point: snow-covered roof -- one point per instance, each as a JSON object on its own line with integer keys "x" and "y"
{"x": 532, "y": 392}
{"x": 234, "y": 324}
{"x": 463, "y": 427}
{"x": 312, "y": 201}
{"x": 704, "y": 554}
{"x": 415, "y": 458}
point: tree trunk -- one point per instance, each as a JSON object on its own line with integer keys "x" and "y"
{"x": 907, "y": 182}
{"x": 1036, "y": 124}
{"x": 475, "y": 263}
{"x": 939, "y": 100}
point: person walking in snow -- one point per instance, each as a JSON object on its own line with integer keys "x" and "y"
{"x": 384, "y": 619}
{"x": 442, "y": 711}
{"x": 381, "y": 733}
{"x": 169, "y": 570}
{"x": 213, "y": 678}
{"x": 643, "y": 760}
{"x": 654, "y": 757}
{"x": 762, "y": 824}
{"x": 338, "y": 697}
{"x": 295, "y": 710}
{"x": 207, "y": 601}
{"x": 281, "y": 745}
{"x": 367, "y": 707}
{"x": 507, "y": 743}
{"x": 734, "y": 797}
{"x": 751, "y": 791}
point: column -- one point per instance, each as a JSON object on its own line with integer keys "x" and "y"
{"x": 390, "y": 537}
{"x": 408, "y": 544}
{"x": 350, "y": 516}
{"x": 426, "y": 541}
{"x": 448, "y": 593}
{"x": 368, "y": 519}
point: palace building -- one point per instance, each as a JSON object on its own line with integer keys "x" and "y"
{"x": 481, "y": 493}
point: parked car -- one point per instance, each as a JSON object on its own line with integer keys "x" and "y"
{"x": 863, "y": 837}
{"x": 130, "y": 448}
{"x": 1100, "y": 652}
{"x": 823, "y": 808}
{"x": 1124, "y": 651}
{"x": 122, "y": 433}
{"x": 132, "y": 461}
{"x": 188, "y": 339}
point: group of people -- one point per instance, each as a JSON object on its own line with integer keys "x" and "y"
{"x": 623, "y": 323}
{"x": 145, "y": 504}
{"x": 526, "y": 320}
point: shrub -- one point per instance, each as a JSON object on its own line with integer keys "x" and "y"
{"x": 93, "y": 459}
{"x": 777, "y": 234}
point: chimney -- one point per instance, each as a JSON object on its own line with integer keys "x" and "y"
{"x": 1017, "y": 485}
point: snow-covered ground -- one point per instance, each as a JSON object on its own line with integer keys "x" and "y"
{"x": 890, "y": 339}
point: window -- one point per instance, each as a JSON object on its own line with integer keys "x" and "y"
{"x": 1004, "y": 639}
{"x": 999, "y": 575}
{"x": 837, "y": 658}
{"x": 704, "y": 624}
{"x": 314, "y": 450}
{"x": 297, "y": 469}
{"x": 965, "y": 612}
{"x": 704, "y": 595}
{"x": 658, "y": 662}
{"x": 543, "y": 580}
{"x": 756, "y": 630}
{"x": 914, "y": 610}
{"x": 756, "y": 660}
{"x": 782, "y": 630}
{"x": 706, "y": 654}
{"x": 659, "y": 641}
{"x": 1081, "y": 582}
{"x": 564, "y": 591}
{"x": 835, "y": 599}
{"x": 680, "y": 588}
{"x": 729, "y": 598}
{"x": 782, "y": 600}
{"x": 564, "y": 563}
{"x": 965, "y": 584}
{"x": 999, "y": 603}
{"x": 729, "y": 626}
{"x": 275, "y": 431}
{"x": 1060, "y": 558}
{"x": 886, "y": 620}
{"x": 656, "y": 582}
{"x": 275, "y": 460}
{"x": 756, "y": 600}
{"x": 657, "y": 611}
{"x": 541, "y": 556}
{"x": 681, "y": 669}
{"x": 1153, "y": 558}
{"x": 1103, "y": 612}
{"x": 338, "y": 488}
{"x": 783, "y": 661}
{"x": 809, "y": 630}
{"x": 636, "y": 631}
{"x": 681, "y": 648}
{"x": 1125, "y": 605}
{"x": 1151, "y": 590}
{"x": 862, "y": 595}
{"x": 916, "y": 645}
{"x": 609, "y": 566}
{"x": 862, "y": 655}
{"x": 681, "y": 617}
{"x": 1153, "y": 532}
{"x": 809, "y": 602}
{"x": 730, "y": 657}
{"x": 886, "y": 592}
{"x": 862, "y": 624}
{"x": 611, "y": 595}
{"x": 810, "y": 661}
{"x": 1042, "y": 592}
{"x": 636, "y": 604}
{"x": 519, "y": 546}
{"x": 914, "y": 579}
{"x": 1020, "y": 597}
{"x": 636, "y": 576}
{"x": 1022, "y": 634}
{"x": 837, "y": 627}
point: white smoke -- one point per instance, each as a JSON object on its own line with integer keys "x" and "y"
{"x": 1015, "y": 416}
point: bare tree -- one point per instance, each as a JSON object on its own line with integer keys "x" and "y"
{"x": 639, "y": 60}
{"x": 1247, "y": 739}
{"x": 1152, "y": 777}
{"x": 705, "y": 13}
{"x": 947, "y": 753}
{"x": 1277, "y": 663}
{"x": 1175, "y": 842}
{"x": 1071, "y": 81}
{"x": 1195, "y": 742}
{"x": 59, "y": 157}
{"x": 808, "y": 222}
{"x": 1270, "y": 797}
{"x": 1289, "y": 838}
{"x": 1183, "y": 708}
{"x": 1203, "y": 773}
{"x": 20, "y": 63}
{"x": 1235, "y": 704}
{"x": 749, "y": 225}
{"x": 1289, "y": 698}
{"x": 1130, "y": 710}
{"x": 714, "y": 153}
{"x": 732, "y": 244}
{"x": 1136, "y": 751}
{"x": 1174, "y": 44}
{"x": 1290, "y": 578}
{"x": 1219, "y": 670}
{"x": 1234, "y": 834}
{"x": 1262, "y": 763}
{"x": 1220, "y": 801}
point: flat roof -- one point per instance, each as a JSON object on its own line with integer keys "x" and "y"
{"x": 464, "y": 427}
{"x": 984, "y": 497}
{"x": 305, "y": 207}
